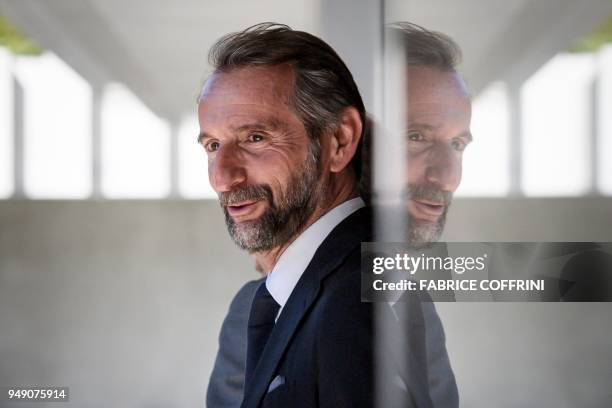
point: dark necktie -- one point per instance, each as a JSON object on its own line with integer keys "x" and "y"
{"x": 261, "y": 322}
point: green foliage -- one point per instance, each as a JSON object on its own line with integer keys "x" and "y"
{"x": 15, "y": 40}
{"x": 592, "y": 41}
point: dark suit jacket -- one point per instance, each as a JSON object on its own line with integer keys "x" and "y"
{"x": 320, "y": 352}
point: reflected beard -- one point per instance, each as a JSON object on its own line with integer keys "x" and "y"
{"x": 281, "y": 221}
{"x": 422, "y": 234}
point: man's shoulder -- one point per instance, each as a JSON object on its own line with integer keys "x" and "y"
{"x": 341, "y": 248}
{"x": 341, "y": 290}
{"x": 249, "y": 288}
{"x": 227, "y": 379}
{"x": 337, "y": 268}
{"x": 244, "y": 297}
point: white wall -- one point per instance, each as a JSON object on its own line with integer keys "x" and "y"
{"x": 120, "y": 301}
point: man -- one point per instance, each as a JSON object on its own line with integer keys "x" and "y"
{"x": 281, "y": 121}
{"x": 438, "y": 131}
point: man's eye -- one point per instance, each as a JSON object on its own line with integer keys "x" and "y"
{"x": 415, "y": 137}
{"x": 212, "y": 146}
{"x": 255, "y": 137}
{"x": 458, "y": 145}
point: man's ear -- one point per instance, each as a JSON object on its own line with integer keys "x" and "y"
{"x": 345, "y": 139}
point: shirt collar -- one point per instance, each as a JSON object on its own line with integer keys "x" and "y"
{"x": 294, "y": 260}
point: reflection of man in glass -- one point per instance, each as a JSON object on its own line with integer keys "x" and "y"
{"x": 438, "y": 119}
{"x": 438, "y": 130}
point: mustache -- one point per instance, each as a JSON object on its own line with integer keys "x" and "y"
{"x": 427, "y": 192}
{"x": 246, "y": 193}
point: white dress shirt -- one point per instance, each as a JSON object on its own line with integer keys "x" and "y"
{"x": 293, "y": 262}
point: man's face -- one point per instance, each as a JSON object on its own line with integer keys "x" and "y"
{"x": 261, "y": 161}
{"x": 439, "y": 113}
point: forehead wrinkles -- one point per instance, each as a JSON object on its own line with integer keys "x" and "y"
{"x": 256, "y": 85}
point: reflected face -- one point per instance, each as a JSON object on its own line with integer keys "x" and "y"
{"x": 261, "y": 161}
{"x": 438, "y": 122}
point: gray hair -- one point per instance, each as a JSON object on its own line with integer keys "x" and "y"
{"x": 428, "y": 48}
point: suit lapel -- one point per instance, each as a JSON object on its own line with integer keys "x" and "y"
{"x": 332, "y": 252}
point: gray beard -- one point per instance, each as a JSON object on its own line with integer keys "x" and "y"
{"x": 282, "y": 220}
{"x": 422, "y": 234}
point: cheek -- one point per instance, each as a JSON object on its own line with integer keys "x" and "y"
{"x": 214, "y": 168}
{"x": 415, "y": 168}
{"x": 271, "y": 170}
{"x": 281, "y": 163}
{"x": 456, "y": 165}
{"x": 210, "y": 169}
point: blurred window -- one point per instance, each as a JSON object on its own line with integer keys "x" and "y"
{"x": 556, "y": 131}
{"x": 486, "y": 162}
{"x": 135, "y": 147}
{"x": 193, "y": 163}
{"x": 6, "y": 124}
{"x": 56, "y": 128}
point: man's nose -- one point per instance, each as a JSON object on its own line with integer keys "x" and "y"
{"x": 227, "y": 169}
{"x": 444, "y": 168}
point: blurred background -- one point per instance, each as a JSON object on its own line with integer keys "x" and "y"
{"x": 115, "y": 266}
